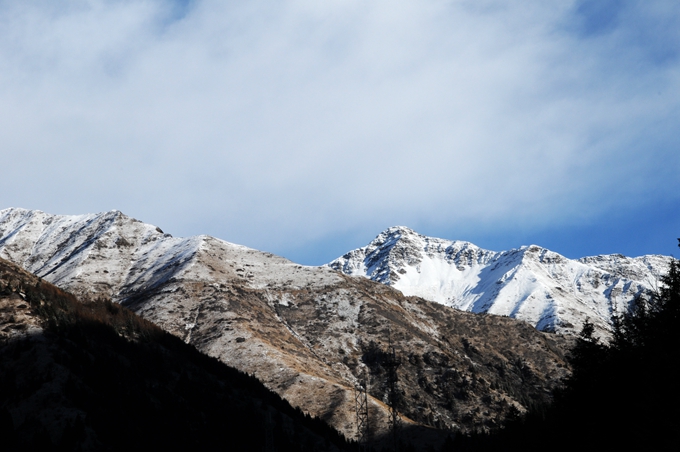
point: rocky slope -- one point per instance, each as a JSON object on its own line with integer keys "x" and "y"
{"x": 533, "y": 284}
{"x": 308, "y": 333}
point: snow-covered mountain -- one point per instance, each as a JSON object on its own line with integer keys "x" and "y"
{"x": 118, "y": 256}
{"x": 307, "y": 333}
{"x": 531, "y": 283}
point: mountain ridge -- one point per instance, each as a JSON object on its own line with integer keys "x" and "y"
{"x": 530, "y": 283}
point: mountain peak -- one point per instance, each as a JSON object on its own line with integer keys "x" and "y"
{"x": 404, "y": 230}
{"x": 531, "y": 283}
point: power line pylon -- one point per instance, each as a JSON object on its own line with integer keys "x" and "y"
{"x": 361, "y": 406}
{"x": 391, "y": 363}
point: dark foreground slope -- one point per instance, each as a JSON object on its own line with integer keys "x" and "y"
{"x": 94, "y": 376}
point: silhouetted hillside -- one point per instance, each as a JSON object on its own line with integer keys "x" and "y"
{"x": 94, "y": 376}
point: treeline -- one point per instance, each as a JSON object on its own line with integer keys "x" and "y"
{"x": 623, "y": 394}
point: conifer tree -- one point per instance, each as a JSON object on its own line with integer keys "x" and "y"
{"x": 623, "y": 392}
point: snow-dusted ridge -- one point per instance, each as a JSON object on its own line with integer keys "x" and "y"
{"x": 531, "y": 283}
{"x": 111, "y": 253}
{"x": 108, "y": 249}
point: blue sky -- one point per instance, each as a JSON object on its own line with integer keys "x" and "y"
{"x": 305, "y": 128}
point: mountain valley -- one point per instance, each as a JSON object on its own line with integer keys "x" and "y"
{"x": 308, "y": 333}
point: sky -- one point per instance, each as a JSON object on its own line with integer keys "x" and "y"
{"x": 305, "y": 128}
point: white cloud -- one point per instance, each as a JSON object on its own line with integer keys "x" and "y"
{"x": 268, "y": 121}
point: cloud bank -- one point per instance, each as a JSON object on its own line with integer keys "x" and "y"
{"x": 278, "y": 124}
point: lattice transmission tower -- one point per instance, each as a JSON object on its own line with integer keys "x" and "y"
{"x": 391, "y": 363}
{"x": 361, "y": 406}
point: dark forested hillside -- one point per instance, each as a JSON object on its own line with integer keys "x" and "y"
{"x": 622, "y": 394}
{"x": 91, "y": 375}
